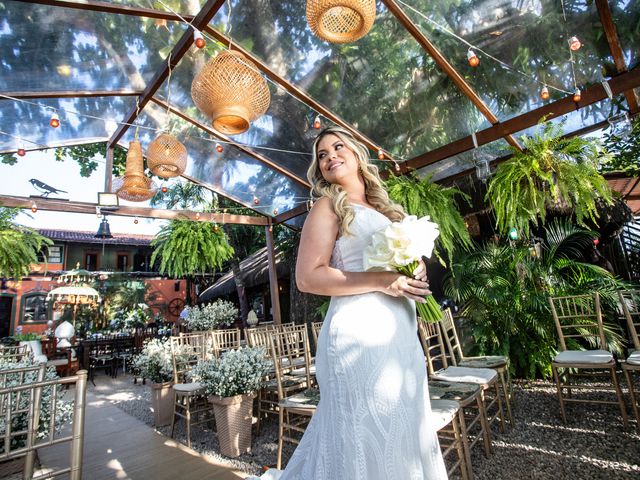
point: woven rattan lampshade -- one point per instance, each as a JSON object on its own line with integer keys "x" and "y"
{"x": 231, "y": 92}
{"x": 341, "y": 21}
{"x": 134, "y": 186}
{"x": 166, "y": 156}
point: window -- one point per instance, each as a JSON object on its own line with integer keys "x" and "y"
{"x": 51, "y": 254}
{"x": 34, "y": 308}
{"x": 123, "y": 262}
{"x": 91, "y": 261}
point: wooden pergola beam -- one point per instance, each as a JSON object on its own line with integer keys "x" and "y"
{"x": 67, "y": 206}
{"x": 70, "y": 94}
{"x": 591, "y": 95}
{"x": 225, "y": 138}
{"x": 616, "y": 50}
{"x": 203, "y": 17}
{"x": 445, "y": 66}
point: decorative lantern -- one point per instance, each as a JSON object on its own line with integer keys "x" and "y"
{"x": 482, "y": 162}
{"x": 166, "y": 156}
{"x": 134, "y": 186}
{"x": 341, "y": 21}
{"x": 620, "y": 125}
{"x": 231, "y": 92}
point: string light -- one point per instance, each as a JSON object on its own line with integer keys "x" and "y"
{"x": 197, "y": 215}
{"x": 256, "y": 200}
{"x": 396, "y": 166}
{"x": 55, "y": 120}
{"x": 596, "y": 241}
{"x": 380, "y": 154}
{"x": 275, "y": 211}
{"x": 21, "y": 151}
{"x": 544, "y": 93}
{"x": 219, "y": 148}
{"x": 198, "y": 38}
{"x": 135, "y": 220}
{"x": 215, "y": 227}
{"x": 472, "y": 58}
{"x": 574, "y": 43}
{"x": 34, "y": 207}
{"x": 316, "y": 123}
{"x": 513, "y": 233}
{"x": 577, "y": 95}
{"x": 164, "y": 188}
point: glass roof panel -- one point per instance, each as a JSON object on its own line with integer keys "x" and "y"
{"x": 530, "y": 37}
{"x": 284, "y": 134}
{"x": 47, "y": 48}
{"x": 232, "y": 172}
{"x": 82, "y": 120}
{"x": 384, "y": 84}
{"x": 626, "y": 16}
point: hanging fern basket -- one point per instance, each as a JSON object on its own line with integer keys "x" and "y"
{"x": 341, "y": 21}
{"x": 166, "y": 156}
{"x": 231, "y": 92}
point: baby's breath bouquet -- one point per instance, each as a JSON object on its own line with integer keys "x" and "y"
{"x": 238, "y": 372}
{"x": 220, "y": 313}
{"x": 399, "y": 247}
{"x": 155, "y": 361}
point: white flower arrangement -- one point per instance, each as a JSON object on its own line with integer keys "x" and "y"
{"x": 155, "y": 361}
{"x": 220, "y": 313}
{"x": 19, "y": 422}
{"x": 130, "y": 319}
{"x": 238, "y": 372}
{"x": 399, "y": 247}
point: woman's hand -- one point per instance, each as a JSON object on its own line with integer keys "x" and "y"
{"x": 398, "y": 285}
{"x": 420, "y": 273}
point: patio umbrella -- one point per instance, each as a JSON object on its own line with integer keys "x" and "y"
{"x": 77, "y": 292}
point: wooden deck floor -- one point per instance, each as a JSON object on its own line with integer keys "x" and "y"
{"x": 118, "y": 446}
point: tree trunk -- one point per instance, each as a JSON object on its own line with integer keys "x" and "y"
{"x": 303, "y": 306}
{"x": 238, "y": 278}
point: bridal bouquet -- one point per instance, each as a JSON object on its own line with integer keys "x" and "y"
{"x": 399, "y": 247}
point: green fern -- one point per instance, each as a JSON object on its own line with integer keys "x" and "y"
{"x": 552, "y": 172}
{"x": 19, "y": 246}
{"x": 185, "y": 248}
{"x": 424, "y": 197}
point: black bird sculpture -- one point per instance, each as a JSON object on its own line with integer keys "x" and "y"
{"x": 44, "y": 188}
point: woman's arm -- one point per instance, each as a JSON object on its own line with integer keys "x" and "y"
{"x": 315, "y": 275}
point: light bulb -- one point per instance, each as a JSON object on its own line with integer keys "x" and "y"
{"x": 197, "y": 215}
{"x": 544, "y": 93}
{"x": 21, "y": 151}
{"x": 199, "y": 39}
{"x": 380, "y": 154}
{"x": 164, "y": 189}
{"x": 34, "y": 207}
{"x": 135, "y": 220}
{"x": 219, "y": 148}
{"x": 54, "y": 121}
{"x": 472, "y": 58}
{"x": 275, "y": 211}
{"x": 513, "y": 233}
{"x": 396, "y": 166}
{"x": 256, "y": 200}
{"x": 316, "y": 123}
{"x": 574, "y": 43}
{"x": 577, "y": 95}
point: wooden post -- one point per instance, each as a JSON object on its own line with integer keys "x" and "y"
{"x": 273, "y": 277}
{"x": 108, "y": 169}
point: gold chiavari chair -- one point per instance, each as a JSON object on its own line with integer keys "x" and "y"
{"x": 223, "y": 340}
{"x": 190, "y": 401}
{"x": 498, "y": 363}
{"x": 447, "y": 416}
{"x": 630, "y": 303}
{"x": 578, "y": 322}
{"x": 315, "y": 331}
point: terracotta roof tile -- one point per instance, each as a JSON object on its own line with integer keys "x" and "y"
{"x": 88, "y": 237}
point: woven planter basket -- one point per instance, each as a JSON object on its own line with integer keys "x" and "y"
{"x": 341, "y": 21}
{"x": 166, "y": 156}
{"x": 233, "y": 422}
{"x": 162, "y": 401}
{"x": 230, "y": 91}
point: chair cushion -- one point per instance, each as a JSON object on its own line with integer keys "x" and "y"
{"x": 302, "y": 372}
{"x": 443, "y": 411}
{"x": 634, "y": 358}
{"x": 584, "y": 356}
{"x": 192, "y": 387}
{"x": 58, "y": 362}
{"x": 489, "y": 361}
{"x": 307, "y": 399}
{"x": 461, "y": 392}
{"x": 479, "y": 376}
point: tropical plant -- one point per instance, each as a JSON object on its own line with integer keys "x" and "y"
{"x": 503, "y": 291}
{"x": 553, "y": 172}
{"x": 220, "y": 313}
{"x": 625, "y": 151}
{"x": 237, "y": 372}
{"x": 185, "y": 248}
{"x": 19, "y": 246}
{"x": 155, "y": 361}
{"x": 26, "y": 337}
{"x": 422, "y": 197}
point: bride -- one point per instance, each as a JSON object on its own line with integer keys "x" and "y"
{"x": 373, "y": 421}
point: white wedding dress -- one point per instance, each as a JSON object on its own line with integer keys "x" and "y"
{"x": 373, "y": 421}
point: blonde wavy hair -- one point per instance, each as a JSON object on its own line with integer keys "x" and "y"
{"x": 374, "y": 190}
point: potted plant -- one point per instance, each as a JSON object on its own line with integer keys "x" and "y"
{"x": 552, "y": 173}
{"x": 220, "y": 313}
{"x": 156, "y": 364}
{"x": 231, "y": 382}
{"x": 32, "y": 340}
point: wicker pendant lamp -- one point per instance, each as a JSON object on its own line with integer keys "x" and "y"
{"x": 231, "y": 92}
{"x": 166, "y": 156}
{"x": 134, "y": 186}
{"x": 341, "y": 21}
